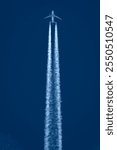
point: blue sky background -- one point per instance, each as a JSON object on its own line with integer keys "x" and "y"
{"x": 23, "y": 58}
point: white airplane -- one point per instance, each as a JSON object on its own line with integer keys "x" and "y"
{"x": 53, "y": 16}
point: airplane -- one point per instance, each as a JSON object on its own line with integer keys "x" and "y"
{"x": 53, "y": 16}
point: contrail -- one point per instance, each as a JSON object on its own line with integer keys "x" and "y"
{"x": 57, "y": 89}
{"x": 48, "y": 92}
{"x": 53, "y": 123}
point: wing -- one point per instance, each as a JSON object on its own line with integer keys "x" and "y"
{"x": 47, "y": 17}
{"x": 57, "y": 17}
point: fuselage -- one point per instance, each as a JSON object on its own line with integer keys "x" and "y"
{"x": 52, "y": 16}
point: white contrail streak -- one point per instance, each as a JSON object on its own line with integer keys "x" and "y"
{"x": 57, "y": 89}
{"x": 48, "y": 91}
{"x": 53, "y": 125}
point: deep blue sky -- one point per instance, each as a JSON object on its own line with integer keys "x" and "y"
{"x": 23, "y": 57}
